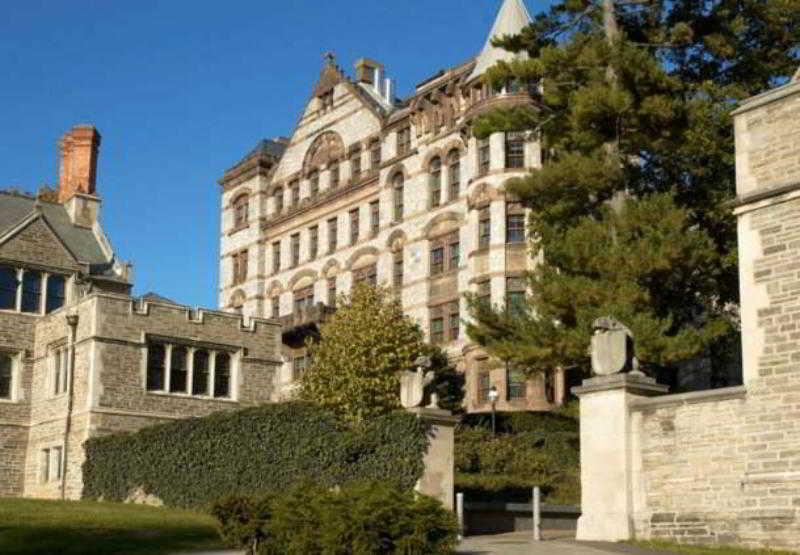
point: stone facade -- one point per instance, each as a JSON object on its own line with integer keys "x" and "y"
{"x": 392, "y": 191}
{"x": 78, "y": 354}
{"x": 723, "y": 466}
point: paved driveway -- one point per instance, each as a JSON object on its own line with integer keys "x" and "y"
{"x": 520, "y": 543}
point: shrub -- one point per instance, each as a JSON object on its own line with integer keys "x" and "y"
{"x": 255, "y": 451}
{"x": 361, "y": 518}
{"x": 243, "y": 520}
{"x": 529, "y": 450}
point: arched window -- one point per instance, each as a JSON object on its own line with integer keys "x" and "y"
{"x": 398, "y": 193}
{"x": 435, "y": 182}
{"x": 241, "y": 209}
{"x": 6, "y": 376}
{"x": 453, "y": 174}
{"x": 278, "y": 195}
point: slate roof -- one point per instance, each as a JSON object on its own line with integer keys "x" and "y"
{"x": 82, "y": 242}
{"x": 265, "y": 147}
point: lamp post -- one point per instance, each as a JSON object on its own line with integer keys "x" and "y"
{"x": 493, "y": 395}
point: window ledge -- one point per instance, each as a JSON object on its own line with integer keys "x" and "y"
{"x": 236, "y": 230}
{"x": 203, "y": 398}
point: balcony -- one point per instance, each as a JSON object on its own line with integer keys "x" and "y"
{"x": 500, "y": 101}
{"x": 304, "y": 323}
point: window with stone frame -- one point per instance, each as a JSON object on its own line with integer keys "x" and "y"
{"x": 332, "y": 291}
{"x": 484, "y": 228}
{"x": 6, "y": 377}
{"x": 515, "y": 149}
{"x": 453, "y": 251}
{"x": 453, "y": 321}
{"x": 516, "y": 384}
{"x": 397, "y": 269}
{"x": 240, "y": 263}
{"x": 515, "y": 223}
{"x": 398, "y": 194}
{"x": 515, "y": 295}
{"x": 170, "y": 366}
{"x": 31, "y": 291}
{"x": 52, "y": 464}
{"x": 303, "y": 299}
{"x": 313, "y": 183}
{"x": 367, "y": 275}
{"x": 484, "y": 156}
{"x": 484, "y": 383}
{"x": 276, "y": 307}
{"x": 313, "y": 242}
{"x": 294, "y": 249}
{"x": 374, "y": 217}
{"x": 294, "y": 192}
{"x": 355, "y": 165}
{"x": 333, "y": 234}
{"x": 276, "y": 257}
{"x": 278, "y": 200}
{"x": 403, "y": 141}
{"x": 484, "y": 291}
{"x": 375, "y": 154}
{"x": 437, "y": 259}
{"x": 435, "y": 182}
{"x": 437, "y": 326}
{"x": 241, "y": 209}
{"x": 56, "y": 292}
{"x": 9, "y": 288}
{"x": 59, "y": 365}
{"x": 300, "y": 364}
{"x": 355, "y": 226}
{"x": 334, "y": 174}
{"x": 445, "y": 254}
{"x": 453, "y": 175}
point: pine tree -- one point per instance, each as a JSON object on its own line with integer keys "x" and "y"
{"x": 627, "y": 215}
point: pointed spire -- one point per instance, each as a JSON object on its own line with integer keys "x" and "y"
{"x": 512, "y": 18}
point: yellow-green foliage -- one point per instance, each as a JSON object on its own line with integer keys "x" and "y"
{"x": 361, "y": 349}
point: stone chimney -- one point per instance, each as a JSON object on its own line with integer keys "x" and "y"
{"x": 78, "y": 172}
{"x": 369, "y": 72}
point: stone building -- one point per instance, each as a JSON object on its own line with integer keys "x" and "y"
{"x": 80, "y": 357}
{"x": 391, "y": 191}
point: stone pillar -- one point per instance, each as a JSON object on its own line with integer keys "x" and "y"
{"x": 607, "y": 454}
{"x": 438, "y": 479}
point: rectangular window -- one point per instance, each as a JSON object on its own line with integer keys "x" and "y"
{"x": 368, "y": 275}
{"x": 276, "y": 257}
{"x": 156, "y": 367}
{"x": 240, "y": 263}
{"x": 276, "y": 307}
{"x": 303, "y": 299}
{"x": 397, "y": 198}
{"x": 453, "y": 175}
{"x": 454, "y": 321}
{"x": 515, "y": 224}
{"x": 375, "y": 154}
{"x": 44, "y": 466}
{"x": 435, "y": 183}
{"x": 200, "y": 372}
{"x": 403, "y": 141}
{"x": 437, "y": 261}
{"x": 515, "y": 295}
{"x": 278, "y": 196}
{"x": 517, "y": 384}
{"x": 484, "y": 387}
{"x": 52, "y": 464}
{"x": 334, "y": 175}
{"x": 294, "y": 241}
{"x": 6, "y": 376}
{"x": 437, "y": 330}
{"x": 313, "y": 242}
{"x": 178, "y": 371}
{"x": 241, "y": 208}
{"x": 454, "y": 251}
{"x": 9, "y": 284}
{"x": 515, "y": 150}
{"x": 332, "y": 291}
{"x": 56, "y": 292}
{"x": 484, "y": 156}
{"x": 313, "y": 184}
{"x": 354, "y": 226}
{"x": 31, "y": 291}
{"x": 222, "y": 376}
{"x": 299, "y": 367}
{"x": 397, "y": 270}
{"x": 355, "y": 165}
{"x": 333, "y": 232}
{"x": 374, "y": 217}
{"x": 484, "y": 228}
{"x": 294, "y": 188}
{"x": 60, "y": 364}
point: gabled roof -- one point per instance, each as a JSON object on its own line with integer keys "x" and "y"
{"x": 512, "y": 18}
{"x": 81, "y": 242}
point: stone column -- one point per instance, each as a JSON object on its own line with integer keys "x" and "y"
{"x": 607, "y": 454}
{"x": 437, "y": 479}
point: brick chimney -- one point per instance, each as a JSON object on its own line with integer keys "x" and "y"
{"x": 78, "y": 172}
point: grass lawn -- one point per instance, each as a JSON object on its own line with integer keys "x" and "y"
{"x": 38, "y": 527}
{"x": 703, "y": 550}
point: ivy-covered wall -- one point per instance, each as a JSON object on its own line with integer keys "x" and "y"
{"x": 191, "y": 463}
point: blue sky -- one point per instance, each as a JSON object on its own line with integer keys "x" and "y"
{"x": 182, "y": 90}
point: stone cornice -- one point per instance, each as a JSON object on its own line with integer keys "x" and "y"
{"x": 246, "y": 170}
{"x": 763, "y": 194}
{"x": 793, "y": 87}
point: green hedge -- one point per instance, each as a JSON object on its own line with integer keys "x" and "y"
{"x": 530, "y": 449}
{"x": 191, "y": 463}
